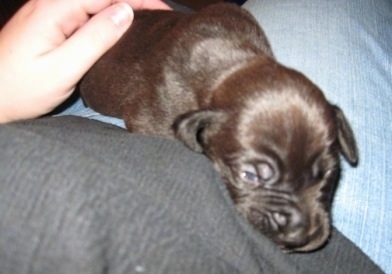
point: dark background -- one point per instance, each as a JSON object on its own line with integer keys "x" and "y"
{"x": 8, "y": 7}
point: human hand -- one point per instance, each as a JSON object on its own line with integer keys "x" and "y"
{"x": 47, "y": 47}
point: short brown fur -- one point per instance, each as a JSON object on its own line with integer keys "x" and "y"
{"x": 210, "y": 80}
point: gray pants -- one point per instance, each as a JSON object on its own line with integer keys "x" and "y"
{"x": 80, "y": 196}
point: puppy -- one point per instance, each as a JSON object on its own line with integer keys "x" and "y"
{"x": 210, "y": 80}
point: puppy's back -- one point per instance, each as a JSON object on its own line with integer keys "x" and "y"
{"x": 169, "y": 62}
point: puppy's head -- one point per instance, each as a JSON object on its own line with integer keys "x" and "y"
{"x": 276, "y": 142}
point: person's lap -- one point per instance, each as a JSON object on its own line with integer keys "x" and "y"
{"x": 79, "y": 196}
{"x": 343, "y": 47}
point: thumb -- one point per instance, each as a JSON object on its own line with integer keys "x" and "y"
{"x": 83, "y": 48}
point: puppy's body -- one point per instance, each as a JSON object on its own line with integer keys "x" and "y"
{"x": 210, "y": 79}
{"x": 170, "y": 63}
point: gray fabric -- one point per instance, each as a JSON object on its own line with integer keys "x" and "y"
{"x": 80, "y": 196}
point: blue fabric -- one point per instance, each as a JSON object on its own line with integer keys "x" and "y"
{"x": 346, "y": 48}
{"x": 78, "y": 108}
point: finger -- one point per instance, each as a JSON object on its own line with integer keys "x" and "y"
{"x": 95, "y": 6}
{"x": 91, "y": 41}
{"x": 62, "y": 19}
{"x": 148, "y": 4}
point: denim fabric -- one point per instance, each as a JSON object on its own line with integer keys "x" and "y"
{"x": 345, "y": 47}
{"x": 78, "y": 108}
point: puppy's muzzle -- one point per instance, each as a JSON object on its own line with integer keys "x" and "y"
{"x": 292, "y": 227}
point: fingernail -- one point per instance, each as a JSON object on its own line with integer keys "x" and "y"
{"x": 122, "y": 15}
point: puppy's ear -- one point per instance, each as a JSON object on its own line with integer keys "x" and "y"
{"x": 347, "y": 143}
{"x": 195, "y": 128}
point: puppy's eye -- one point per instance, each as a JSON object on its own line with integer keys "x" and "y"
{"x": 255, "y": 175}
{"x": 249, "y": 175}
{"x": 250, "y": 178}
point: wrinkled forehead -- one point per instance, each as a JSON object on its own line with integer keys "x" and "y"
{"x": 284, "y": 119}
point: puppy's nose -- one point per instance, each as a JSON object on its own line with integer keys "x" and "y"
{"x": 290, "y": 223}
{"x": 290, "y": 227}
{"x": 280, "y": 219}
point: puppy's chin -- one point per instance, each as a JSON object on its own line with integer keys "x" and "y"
{"x": 304, "y": 238}
{"x": 304, "y": 243}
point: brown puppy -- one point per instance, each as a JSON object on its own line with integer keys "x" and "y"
{"x": 210, "y": 79}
